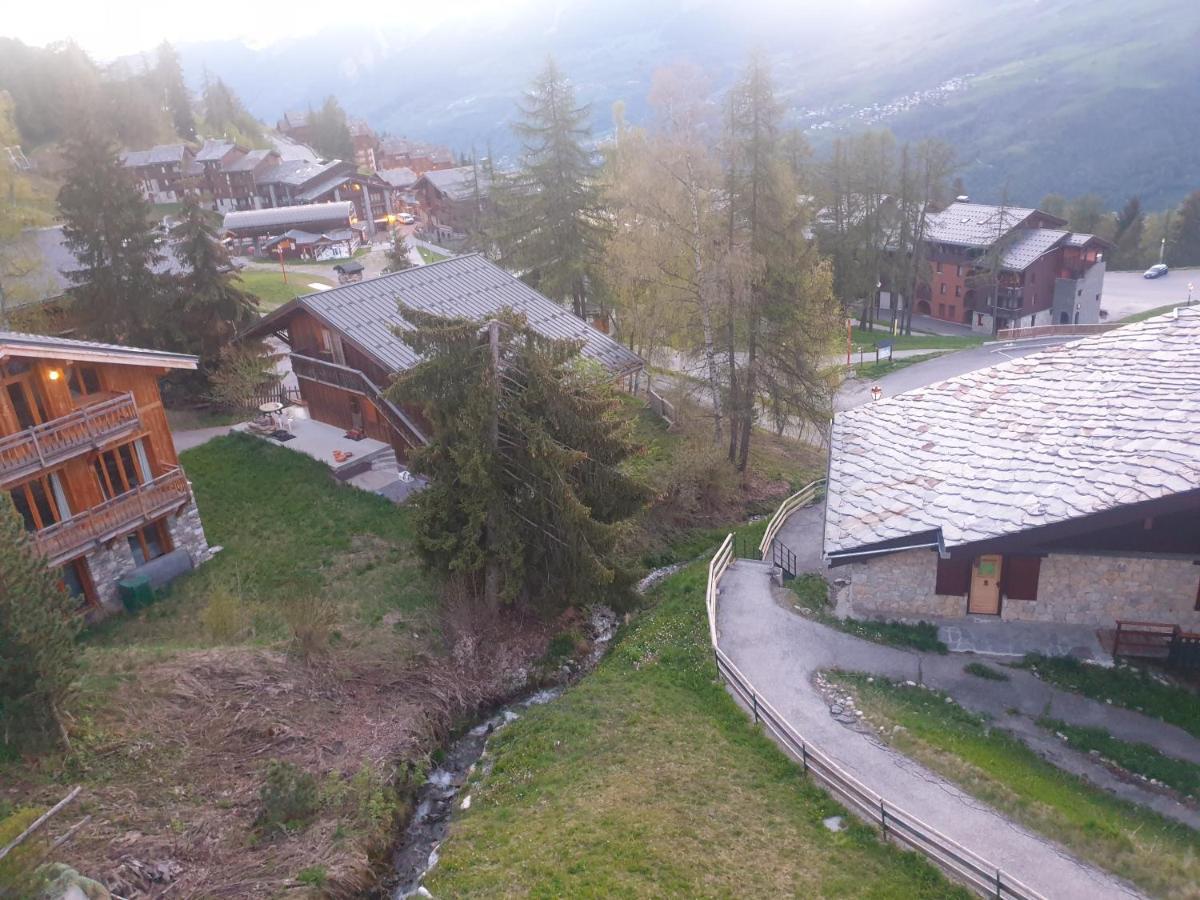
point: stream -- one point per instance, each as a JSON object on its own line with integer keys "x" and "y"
{"x": 416, "y": 851}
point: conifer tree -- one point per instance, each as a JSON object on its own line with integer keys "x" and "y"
{"x": 109, "y": 228}
{"x": 170, "y": 78}
{"x": 1183, "y": 238}
{"x": 330, "y": 131}
{"x": 397, "y": 255}
{"x": 527, "y": 441}
{"x": 209, "y": 306}
{"x": 38, "y": 624}
{"x": 552, "y": 227}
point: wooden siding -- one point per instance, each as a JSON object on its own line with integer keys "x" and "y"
{"x": 333, "y": 406}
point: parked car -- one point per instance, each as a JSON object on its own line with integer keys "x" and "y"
{"x": 406, "y": 218}
{"x": 1156, "y": 271}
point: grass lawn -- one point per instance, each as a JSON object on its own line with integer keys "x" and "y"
{"x": 887, "y": 367}
{"x": 272, "y": 291}
{"x": 1161, "y": 857}
{"x": 429, "y": 256}
{"x": 812, "y": 593}
{"x": 1132, "y": 688}
{"x": 1141, "y": 759}
{"x": 1151, "y": 313}
{"x": 646, "y": 780}
{"x": 861, "y": 337}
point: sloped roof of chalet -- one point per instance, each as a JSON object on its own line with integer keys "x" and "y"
{"x": 339, "y": 210}
{"x": 52, "y": 261}
{"x": 1080, "y": 239}
{"x": 296, "y": 119}
{"x": 1067, "y": 432}
{"x": 976, "y": 224}
{"x": 322, "y": 187}
{"x": 214, "y": 150}
{"x": 15, "y": 343}
{"x": 305, "y": 238}
{"x": 248, "y": 162}
{"x": 297, "y": 171}
{"x": 469, "y": 287}
{"x": 155, "y": 156}
{"x": 457, "y": 183}
{"x": 1029, "y": 245}
{"x": 398, "y": 178}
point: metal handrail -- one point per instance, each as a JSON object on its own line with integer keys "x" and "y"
{"x": 895, "y": 822}
{"x": 802, "y": 497}
{"x": 1039, "y": 331}
{"x": 61, "y": 438}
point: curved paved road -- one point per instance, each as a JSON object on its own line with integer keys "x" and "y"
{"x": 780, "y": 652}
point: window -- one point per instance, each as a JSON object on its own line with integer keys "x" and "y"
{"x": 26, "y": 402}
{"x": 117, "y": 470}
{"x": 1020, "y": 577}
{"x": 77, "y": 581}
{"x": 953, "y": 577}
{"x": 150, "y": 542}
{"x": 942, "y": 288}
{"x": 939, "y": 268}
{"x": 84, "y": 380}
{"x": 958, "y": 290}
{"x": 941, "y": 310}
{"x": 39, "y": 502}
{"x": 958, "y": 271}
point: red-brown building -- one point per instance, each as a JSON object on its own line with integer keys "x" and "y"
{"x": 298, "y": 182}
{"x": 87, "y": 458}
{"x": 451, "y": 202}
{"x": 162, "y": 172}
{"x": 401, "y": 153}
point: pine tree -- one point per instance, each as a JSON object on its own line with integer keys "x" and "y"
{"x": 38, "y": 625}
{"x": 1128, "y": 236}
{"x": 209, "y": 306}
{"x": 1183, "y": 238}
{"x": 552, "y": 227}
{"x": 225, "y": 114}
{"x": 330, "y": 131}
{"x": 109, "y": 228}
{"x": 170, "y": 78}
{"x": 527, "y": 494}
{"x": 397, "y": 255}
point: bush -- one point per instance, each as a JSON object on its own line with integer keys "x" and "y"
{"x": 310, "y": 618}
{"x": 18, "y": 871}
{"x": 314, "y": 876}
{"x": 288, "y": 797}
{"x": 700, "y": 486}
{"x": 224, "y": 615}
{"x": 979, "y": 670}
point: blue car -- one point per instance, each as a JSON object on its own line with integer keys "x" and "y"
{"x": 1155, "y": 271}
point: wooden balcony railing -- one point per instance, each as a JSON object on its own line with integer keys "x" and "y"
{"x": 114, "y": 517}
{"x": 53, "y": 442}
{"x": 356, "y": 382}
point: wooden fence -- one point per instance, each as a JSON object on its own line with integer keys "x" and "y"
{"x": 802, "y": 497}
{"x": 661, "y": 406}
{"x": 1045, "y": 331}
{"x": 895, "y": 823}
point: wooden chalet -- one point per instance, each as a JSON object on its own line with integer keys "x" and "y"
{"x": 345, "y": 352}
{"x": 87, "y": 458}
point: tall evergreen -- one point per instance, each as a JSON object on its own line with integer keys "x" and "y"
{"x": 38, "y": 656}
{"x": 225, "y": 114}
{"x": 330, "y": 131}
{"x": 1183, "y": 239}
{"x": 1128, "y": 237}
{"x": 527, "y": 441}
{"x": 552, "y": 227}
{"x": 175, "y": 92}
{"x": 110, "y": 229}
{"x": 209, "y": 306}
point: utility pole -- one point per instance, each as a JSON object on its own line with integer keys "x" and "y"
{"x": 4, "y": 308}
{"x": 491, "y": 578}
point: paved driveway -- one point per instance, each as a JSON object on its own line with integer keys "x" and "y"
{"x": 1127, "y": 293}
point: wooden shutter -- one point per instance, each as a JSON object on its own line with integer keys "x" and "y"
{"x": 1021, "y": 577}
{"x": 953, "y": 576}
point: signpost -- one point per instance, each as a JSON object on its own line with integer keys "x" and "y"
{"x": 883, "y": 351}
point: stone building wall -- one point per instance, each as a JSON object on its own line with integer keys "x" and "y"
{"x": 1072, "y": 588}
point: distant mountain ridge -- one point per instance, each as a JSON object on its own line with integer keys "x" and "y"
{"x": 1068, "y": 96}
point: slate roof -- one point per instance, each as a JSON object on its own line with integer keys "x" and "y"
{"x": 248, "y": 162}
{"x": 468, "y": 287}
{"x": 323, "y": 186}
{"x": 457, "y": 183}
{"x": 297, "y": 171}
{"x": 340, "y": 210}
{"x": 398, "y": 178}
{"x": 305, "y": 238}
{"x": 974, "y": 224}
{"x": 1028, "y": 245}
{"x": 156, "y": 156}
{"x": 15, "y": 343}
{"x": 214, "y": 150}
{"x": 1070, "y": 431}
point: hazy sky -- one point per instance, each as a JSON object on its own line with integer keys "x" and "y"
{"x": 111, "y": 28}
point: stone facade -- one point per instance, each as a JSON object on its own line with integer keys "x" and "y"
{"x": 114, "y": 561}
{"x": 1072, "y": 588}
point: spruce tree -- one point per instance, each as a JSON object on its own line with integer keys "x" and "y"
{"x": 170, "y": 79}
{"x": 1183, "y": 239}
{"x": 109, "y": 228}
{"x": 550, "y": 212}
{"x": 209, "y": 306}
{"x": 38, "y": 625}
{"x": 527, "y": 443}
{"x": 397, "y": 255}
{"x": 330, "y": 131}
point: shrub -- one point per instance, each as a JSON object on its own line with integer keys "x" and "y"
{"x": 979, "y": 670}
{"x": 38, "y": 625}
{"x": 18, "y": 871}
{"x": 288, "y": 799}
{"x": 224, "y": 614}
{"x": 314, "y": 876}
{"x": 698, "y": 487}
{"x": 310, "y": 618}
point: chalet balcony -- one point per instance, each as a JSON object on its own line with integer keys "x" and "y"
{"x": 29, "y": 451}
{"x": 1009, "y": 299}
{"x": 348, "y": 379}
{"x": 120, "y": 515}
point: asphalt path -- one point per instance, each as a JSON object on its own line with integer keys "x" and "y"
{"x": 1128, "y": 293}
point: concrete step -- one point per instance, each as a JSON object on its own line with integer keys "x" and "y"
{"x": 365, "y": 463}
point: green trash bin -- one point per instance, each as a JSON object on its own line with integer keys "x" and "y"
{"x": 135, "y": 592}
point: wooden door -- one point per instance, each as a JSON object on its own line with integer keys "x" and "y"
{"x": 984, "y": 598}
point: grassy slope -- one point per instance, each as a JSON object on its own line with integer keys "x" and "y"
{"x": 1159, "y": 856}
{"x": 1151, "y": 313}
{"x": 864, "y": 338}
{"x": 271, "y": 290}
{"x": 646, "y": 780}
{"x": 1133, "y": 757}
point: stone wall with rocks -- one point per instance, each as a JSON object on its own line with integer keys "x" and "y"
{"x": 1072, "y": 588}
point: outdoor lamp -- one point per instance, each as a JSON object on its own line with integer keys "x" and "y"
{"x": 54, "y": 374}
{"x": 876, "y": 392}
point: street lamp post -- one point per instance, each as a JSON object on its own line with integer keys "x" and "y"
{"x": 1189, "y": 293}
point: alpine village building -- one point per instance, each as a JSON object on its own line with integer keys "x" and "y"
{"x": 345, "y": 352}
{"x": 994, "y": 267}
{"x": 1060, "y": 487}
{"x": 89, "y": 462}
